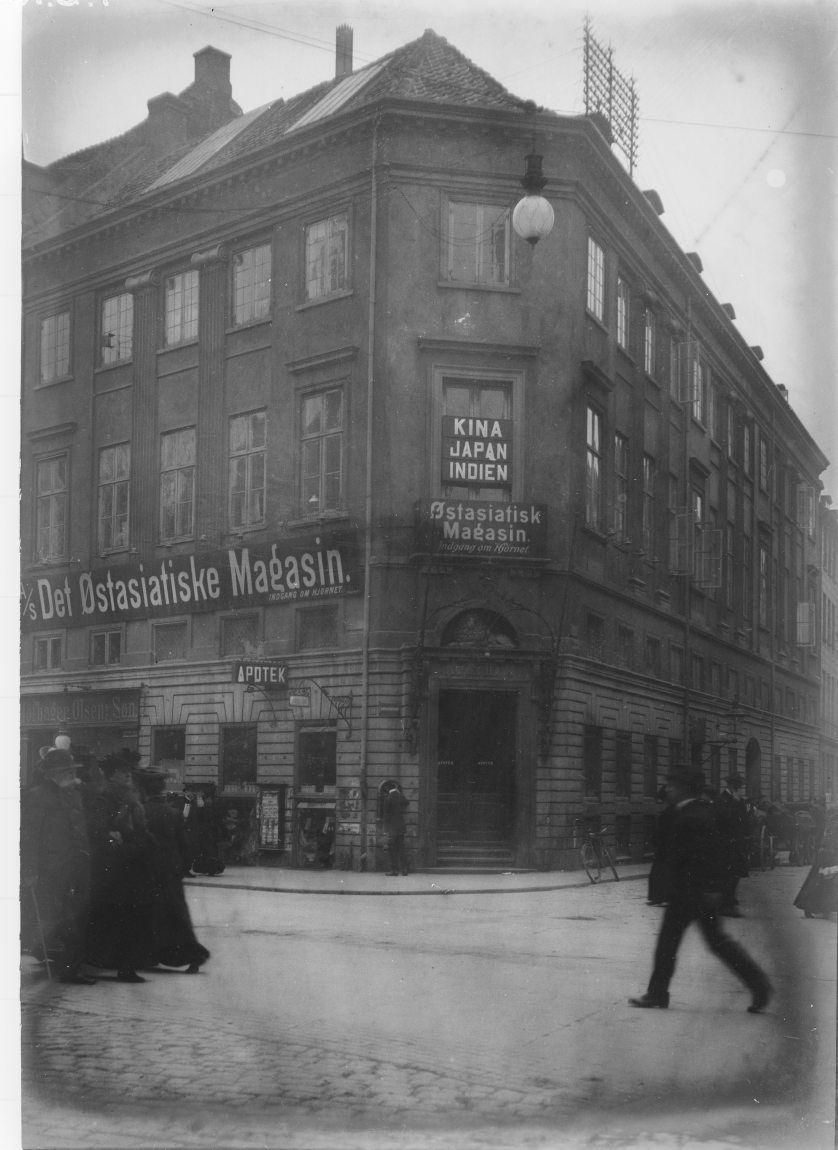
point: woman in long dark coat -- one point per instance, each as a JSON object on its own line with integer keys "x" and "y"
{"x": 119, "y": 934}
{"x": 819, "y": 893}
{"x": 174, "y": 940}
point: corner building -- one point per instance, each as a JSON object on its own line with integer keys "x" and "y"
{"x": 329, "y": 479}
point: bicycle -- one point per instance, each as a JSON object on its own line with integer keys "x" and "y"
{"x": 595, "y": 855}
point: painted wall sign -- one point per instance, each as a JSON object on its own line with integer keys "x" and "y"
{"x": 287, "y": 571}
{"x": 476, "y": 451}
{"x": 82, "y": 708}
{"x": 478, "y": 527}
{"x": 261, "y": 673}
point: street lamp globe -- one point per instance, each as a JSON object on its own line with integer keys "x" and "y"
{"x": 532, "y": 217}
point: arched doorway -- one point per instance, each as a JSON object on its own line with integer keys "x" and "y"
{"x": 753, "y": 770}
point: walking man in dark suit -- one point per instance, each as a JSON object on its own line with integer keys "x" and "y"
{"x": 394, "y": 824}
{"x": 696, "y": 873}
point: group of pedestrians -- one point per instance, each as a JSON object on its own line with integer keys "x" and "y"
{"x": 102, "y": 865}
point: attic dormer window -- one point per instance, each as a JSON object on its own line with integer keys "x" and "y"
{"x": 477, "y": 243}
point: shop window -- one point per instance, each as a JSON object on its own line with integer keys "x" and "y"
{"x": 114, "y": 473}
{"x": 327, "y": 256}
{"x": 715, "y": 779}
{"x": 177, "y": 484}
{"x": 238, "y": 757}
{"x": 47, "y": 652}
{"x": 650, "y": 765}
{"x": 116, "y": 334}
{"x": 247, "y": 469}
{"x": 169, "y": 641}
{"x": 478, "y": 243}
{"x": 317, "y": 628}
{"x": 622, "y": 764}
{"x": 181, "y": 308}
{"x": 239, "y": 635}
{"x": 55, "y": 347}
{"x": 592, "y": 761}
{"x": 317, "y": 760}
{"x": 676, "y": 753}
{"x": 622, "y": 835}
{"x": 168, "y": 743}
{"x": 105, "y": 648}
{"x": 321, "y": 456}
{"x": 51, "y": 495}
{"x": 252, "y": 285}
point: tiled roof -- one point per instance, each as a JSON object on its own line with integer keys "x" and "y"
{"x": 428, "y": 69}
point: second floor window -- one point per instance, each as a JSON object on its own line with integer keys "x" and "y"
{"x": 114, "y": 469}
{"x": 327, "y": 251}
{"x": 321, "y": 486}
{"x": 177, "y": 484}
{"x": 117, "y": 331}
{"x": 596, "y": 280}
{"x": 478, "y": 243}
{"x": 648, "y": 505}
{"x": 181, "y": 319}
{"x": 47, "y": 652}
{"x": 55, "y": 347}
{"x": 105, "y": 648}
{"x": 252, "y": 284}
{"x": 621, "y": 487}
{"x": 649, "y": 342}
{"x": 247, "y": 469}
{"x": 593, "y": 470}
{"x": 51, "y": 509}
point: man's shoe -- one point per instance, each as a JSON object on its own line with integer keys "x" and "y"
{"x": 761, "y": 997}
{"x": 649, "y": 1001}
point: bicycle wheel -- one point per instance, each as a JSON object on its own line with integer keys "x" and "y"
{"x": 608, "y": 860}
{"x": 590, "y": 861}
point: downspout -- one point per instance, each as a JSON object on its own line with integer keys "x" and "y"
{"x": 365, "y": 640}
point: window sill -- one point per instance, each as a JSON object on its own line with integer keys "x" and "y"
{"x": 327, "y": 519}
{"x": 329, "y": 298}
{"x": 263, "y": 321}
{"x": 177, "y": 346}
{"x": 469, "y": 285}
{"x": 57, "y": 382}
{"x": 112, "y": 366}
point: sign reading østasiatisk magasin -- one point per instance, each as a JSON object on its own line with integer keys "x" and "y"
{"x": 480, "y": 527}
{"x": 312, "y": 568}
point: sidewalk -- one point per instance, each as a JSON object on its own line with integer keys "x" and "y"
{"x": 288, "y": 880}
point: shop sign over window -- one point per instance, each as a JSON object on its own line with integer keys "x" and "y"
{"x": 477, "y": 451}
{"x": 87, "y": 708}
{"x": 480, "y": 527}
{"x": 303, "y": 569}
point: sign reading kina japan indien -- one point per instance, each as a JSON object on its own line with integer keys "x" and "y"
{"x": 287, "y": 571}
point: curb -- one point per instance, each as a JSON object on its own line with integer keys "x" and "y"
{"x": 434, "y": 891}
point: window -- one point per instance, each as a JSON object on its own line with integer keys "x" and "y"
{"x": 625, "y": 646}
{"x": 650, "y": 765}
{"x": 181, "y": 319}
{"x": 593, "y": 470}
{"x": 239, "y": 635}
{"x": 47, "y": 652}
{"x": 51, "y": 491}
{"x": 472, "y": 402}
{"x": 649, "y": 341}
{"x": 747, "y": 578}
{"x": 252, "y": 284}
{"x": 697, "y": 672}
{"x": 327, "y": 256}
{"x": 763, "y": 584}
{"x": 321, "y": 486}
{"x": 652, "y": 656}
{"x": 595, "y": 637}
{"x": 248, "y": 443}
{"x": 177, "y": 484}
{"x": 596, "y": 279}
{"x": 169, "y": 641}
{"x": 592, "y": 761}
{"x": 621, "y": 487}
{"x": 317, "y": 627}
{"x": 478, "y": 243}
{"x": 238, "y": 757}
{"x": 746, "y": 448}
{"x": 623, "y": 313}
{"x": 105, "y": 648}
{"x": 55, "y": 347}
{"x": 622, "y": 764}
{"x": 729, "y": 565}
{"x": 114, "y": 469}
{"x": 763, "y": 463}
{"x": 648, "y": 510}
{"x": 117, "y": 331}
{"x": 317, "y": 760}
{"x": 674, "y": 367}
{"x": 676, "y": 661}
{"x": 168, "y": 743}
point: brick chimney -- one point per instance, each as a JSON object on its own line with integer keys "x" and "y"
{"x": 168, "y": 123}
{"x": 212, "y": 70}
{"x": 343, "y": 51}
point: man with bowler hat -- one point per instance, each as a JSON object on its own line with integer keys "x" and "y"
{"x": 55, "y": 866}
{"x": 394, "y": 824}
{"x": 696, "y": 879}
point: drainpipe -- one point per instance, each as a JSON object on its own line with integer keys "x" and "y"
{"x": 365, "y": 641}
